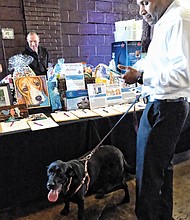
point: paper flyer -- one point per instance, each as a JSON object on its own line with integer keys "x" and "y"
{"x": 128, "y": 94}
{"x": 97, "y": 95}
{"x": 113, "y": 93}
{"x": 74, "y": 76}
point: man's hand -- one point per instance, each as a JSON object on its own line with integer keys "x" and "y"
{"x": 131, "y": 75}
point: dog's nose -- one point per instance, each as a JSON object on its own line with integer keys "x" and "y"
{"x": 50, "y": 185}
{"x": 39, "y": 98}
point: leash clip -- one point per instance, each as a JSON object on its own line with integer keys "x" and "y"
{"x": 88, "y": 157}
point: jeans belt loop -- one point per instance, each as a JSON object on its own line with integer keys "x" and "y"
{"x": 145, "y": 100}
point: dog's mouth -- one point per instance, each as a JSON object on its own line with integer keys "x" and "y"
{"x": 54, "y": 194}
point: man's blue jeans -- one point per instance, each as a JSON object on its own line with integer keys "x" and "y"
{"x": 159, "y": 130}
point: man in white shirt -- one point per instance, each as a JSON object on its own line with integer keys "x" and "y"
{"x": 166, "y": 85}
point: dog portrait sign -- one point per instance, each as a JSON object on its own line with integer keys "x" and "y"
{"x": 32, "y": 91}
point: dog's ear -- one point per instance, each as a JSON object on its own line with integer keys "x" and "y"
{"x": 17, "y": 84}
{"x": 21, "y": 100}
{"x": 70, "y": 172}
{"x": 44, "y": 87}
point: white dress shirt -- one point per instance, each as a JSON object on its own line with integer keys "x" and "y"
{"x": 167, "y": 64}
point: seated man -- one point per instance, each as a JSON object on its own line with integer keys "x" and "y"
{"x": 39, "y": 53}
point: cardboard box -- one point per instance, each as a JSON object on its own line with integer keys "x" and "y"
{"x": 126, "y": 52}
{"x": 77, "y": 99}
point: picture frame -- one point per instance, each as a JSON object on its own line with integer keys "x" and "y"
{"x": 13, "y": 112}
{"x": 5, "y": 94}
{"x": 32, "y": 91}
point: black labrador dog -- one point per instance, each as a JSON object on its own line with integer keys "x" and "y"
{"x": 104, "y": 172}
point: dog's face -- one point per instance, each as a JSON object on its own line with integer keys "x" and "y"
{"x": 83, "y": 104}
{"x": 31, "y": 88}
{"x": 59, "y": 174}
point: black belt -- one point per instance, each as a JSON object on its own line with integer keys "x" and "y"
{"x": 148, "y": 99}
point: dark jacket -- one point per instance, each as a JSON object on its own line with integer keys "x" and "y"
{"x": 40, "y": 62}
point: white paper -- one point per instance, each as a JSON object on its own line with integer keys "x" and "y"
{"x": 97, "y": 95}
{"x": 63, "y": 116}
{"x": 74, "y": 76}
{"x": 42, "y": 124}
{"x": 14, "y": 126}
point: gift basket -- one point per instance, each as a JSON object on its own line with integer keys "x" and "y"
{"x": 19, "y": 64}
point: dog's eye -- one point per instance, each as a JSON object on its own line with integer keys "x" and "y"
{"x": 59, "y": 171}
{"x": 48, "y": 173}
{"x": 36, "y": 83}
{"x": 25, "y": 89}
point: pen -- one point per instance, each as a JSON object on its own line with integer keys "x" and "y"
{"x": 66, "y": 114}
{"x": 11, "y": 123}
{"x": 37, "y": 123}
{"x": 84, "y": 111}
{"x": 105, "y": 111}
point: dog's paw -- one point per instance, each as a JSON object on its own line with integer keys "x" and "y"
{"x": 64, "y": 212}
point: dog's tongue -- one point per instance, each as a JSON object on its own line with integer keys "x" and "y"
{"x": 53, "y": 195}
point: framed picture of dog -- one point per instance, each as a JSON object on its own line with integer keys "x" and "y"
{"x": 32, "y": 91}
{"x": 5, "y": 94}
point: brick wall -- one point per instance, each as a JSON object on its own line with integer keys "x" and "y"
{"x": 11, "y": 16}
{"x": 78, "y": 30}
{"x": 88, "y": 26}
{"x": 43, "y": 16}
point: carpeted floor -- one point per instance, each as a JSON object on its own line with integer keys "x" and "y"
{"x": 182, "y": 191}
{"x": 110, "y": 209}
